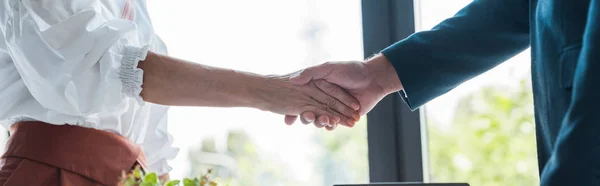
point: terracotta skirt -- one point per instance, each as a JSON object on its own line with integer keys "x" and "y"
{"x": 40, "y": 154}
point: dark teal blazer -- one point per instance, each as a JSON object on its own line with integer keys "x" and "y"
{"x": 564, "y": 36}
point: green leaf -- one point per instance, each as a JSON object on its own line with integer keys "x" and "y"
{"x": 151, "y": 178}
{"x": 188, "y": 182}
{"x": 173, "y": 183}
{"x": 148, "y": 184}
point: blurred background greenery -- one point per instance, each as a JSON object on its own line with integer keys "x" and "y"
{"x": 491, "y": 141}
{"x": 481, "y": 132}
{"x": 340, "y": 158}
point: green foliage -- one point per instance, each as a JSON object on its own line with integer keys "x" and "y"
{"x": 191, "y": 182}
{"x": 252, "y": 166}
{"x": 138, "y": 178}
{"x": 150, "y": 180}
{"x": 341, "y": 157}
{"x": 343, "y": 154}
{"x": 173, "y": 183}
{"x": 491, "y": 140}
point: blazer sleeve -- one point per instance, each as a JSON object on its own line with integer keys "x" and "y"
{"x": 575, "y": 159}
{"x": 479, "y": 37}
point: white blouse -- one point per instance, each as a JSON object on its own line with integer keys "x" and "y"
{"x": 75, "y": 62}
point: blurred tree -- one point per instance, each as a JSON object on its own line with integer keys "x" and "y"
{"x": 343, "y": 156}
{"x": 248, "y": 167}
{"x": 491, "y": 140}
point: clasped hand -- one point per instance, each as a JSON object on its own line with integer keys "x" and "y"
{"x": 338, "y": 92}
{"x": 317, "y": 97}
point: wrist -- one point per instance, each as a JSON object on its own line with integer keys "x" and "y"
{"x": 257, "y": 89}
{"x": 384, "y": 74}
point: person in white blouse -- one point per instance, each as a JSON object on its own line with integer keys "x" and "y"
{"x": 83, "y": 83}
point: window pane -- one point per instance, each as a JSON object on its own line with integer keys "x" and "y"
{"x": 250, "y": 147}
{"x": 481, "y": 132}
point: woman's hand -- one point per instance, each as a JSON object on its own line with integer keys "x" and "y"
{"x": 279, "y": 95}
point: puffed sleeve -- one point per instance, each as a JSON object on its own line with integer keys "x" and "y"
{"x": 158, "y": 143}
{"x": 74, "y": 56}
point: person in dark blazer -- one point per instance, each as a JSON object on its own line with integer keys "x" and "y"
{"x": 564, "y": 36}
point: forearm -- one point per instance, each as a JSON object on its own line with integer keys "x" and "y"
{"x": 479, "y": 37}
{"x": 176, "y": 82}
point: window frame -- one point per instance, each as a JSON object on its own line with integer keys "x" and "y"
{"x": 394, "y": 131}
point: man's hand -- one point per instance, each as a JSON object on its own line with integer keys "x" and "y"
{"x": 367, "y": 81}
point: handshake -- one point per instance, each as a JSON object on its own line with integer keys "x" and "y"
{"x": 327, "y": 95}
{"x": 330, "y": 94}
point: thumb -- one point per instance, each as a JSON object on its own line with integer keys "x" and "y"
{"x": 311, "y": 73}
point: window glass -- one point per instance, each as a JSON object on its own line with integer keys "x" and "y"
{"x": 250, "y": 147}
{"x": 481, "y": 132}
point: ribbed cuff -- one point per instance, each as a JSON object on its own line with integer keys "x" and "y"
{"x": 131, "y": 76}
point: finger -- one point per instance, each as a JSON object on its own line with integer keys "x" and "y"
{"x": 336, "y": 118}
{"x": 334, "y": 104}
{"x": 289, "y": 119}
{"x": 331, "y": 127}
{"x": 332, "y": 120}
{"x": 338, "y": 93}
{"x": 322, "y": 121}
{"x": 314, "y": 72}
{"x": 307, "y": 117}
{"x": 349, "y": 123}
{"x": 346, "y": 121}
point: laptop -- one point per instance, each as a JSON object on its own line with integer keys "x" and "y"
{"x": 406, "y": 184}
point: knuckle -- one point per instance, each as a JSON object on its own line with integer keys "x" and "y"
{"x": 331, "y": 90}
{"x": 305, "y": 72}
{"x": 317, "y": 109}
{"x": 330, "y": 102}
{"x": 326, "y": 86}
{"x": 323, "y": 107}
